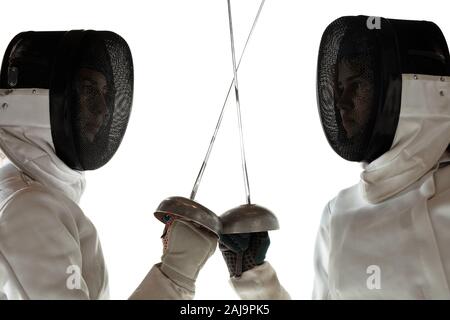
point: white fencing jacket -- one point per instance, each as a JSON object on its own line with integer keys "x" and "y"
{"x": 48, "y": 248}
{"x": 387, "y": 237}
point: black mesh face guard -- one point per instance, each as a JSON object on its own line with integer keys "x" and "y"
{"x": 347, "y": 86}
{"x": 359, "y": 79}
{"x": 100, "y": 97}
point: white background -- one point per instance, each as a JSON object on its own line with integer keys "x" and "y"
{"x": 182, "y": 61}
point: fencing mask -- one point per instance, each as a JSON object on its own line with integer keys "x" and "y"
{"x": 359, "y": 79}
{"x": 89, "y": 78}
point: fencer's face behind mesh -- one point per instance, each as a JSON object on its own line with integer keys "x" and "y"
{"x": 347, "y": 85}
{"x": 95, "y": 102}
{"x": 101, "y": 98}
{"x": 354, "y": 96}
{"x": 92, "y": 103}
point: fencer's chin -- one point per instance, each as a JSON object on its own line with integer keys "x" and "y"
{"x": 350, "y": 135}
{"x": 349, "y": 128}
{"x": 89, "y": 137}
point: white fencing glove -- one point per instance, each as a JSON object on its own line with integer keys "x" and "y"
{"x": 187, "y": 247}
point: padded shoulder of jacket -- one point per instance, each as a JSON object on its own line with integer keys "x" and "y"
{"x": 40, "y": 237}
